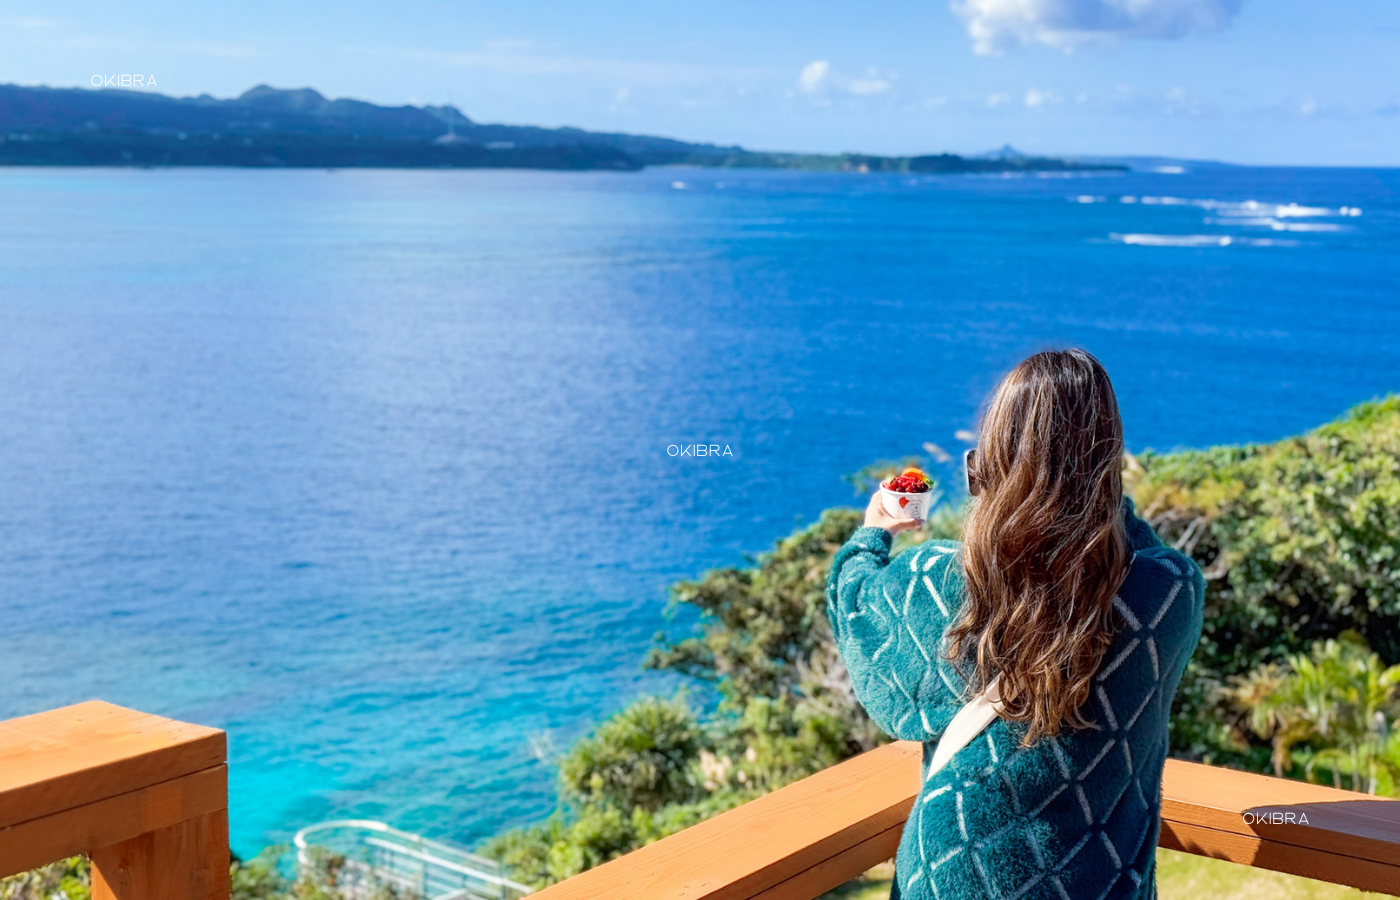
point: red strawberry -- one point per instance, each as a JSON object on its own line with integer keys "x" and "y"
{"x": 910, "y": 481}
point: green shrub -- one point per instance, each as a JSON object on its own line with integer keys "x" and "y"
{"x": 1339, "y": 701}
{"x": 259, "y": 878}
{"x": 641, "y": 758}
{"x": 69, "y": 879}
{"x": 1299, "y": 540}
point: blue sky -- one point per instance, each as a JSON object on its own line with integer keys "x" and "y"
{"x": 1281, "y": 82}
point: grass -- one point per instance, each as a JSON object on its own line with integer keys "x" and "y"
{"x": 1184, "y": 875}
{"x": 873, "y": 885}
{"x": 1180, "y": 876}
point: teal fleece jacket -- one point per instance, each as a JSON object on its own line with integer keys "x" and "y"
{"x": 1074, "y": 817}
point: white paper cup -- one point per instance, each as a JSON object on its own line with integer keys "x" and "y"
{"x": 905, "y": 506}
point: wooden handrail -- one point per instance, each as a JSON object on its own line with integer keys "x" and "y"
{"x": 1288, "y": 826}
{"x": 805, "y": 839}
{"x": 145, "y": 797}
{"x": 797, "y": 842}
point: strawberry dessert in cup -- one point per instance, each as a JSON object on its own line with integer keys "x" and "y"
{"x": 908, "y": 495}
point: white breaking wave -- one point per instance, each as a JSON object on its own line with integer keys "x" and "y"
{"x": 1198, "y": 240}
{"x": 1246, "y": 212}
{"x": 1253, "y": 209}
{"x": 1175, "y": 240}
{"x": 1294, "y": 210}
{"x": 1278, "y": 224}
{"x": 1306, "y": 226}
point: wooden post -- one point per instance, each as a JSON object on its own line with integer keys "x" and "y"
{"x": 189, "y": 860}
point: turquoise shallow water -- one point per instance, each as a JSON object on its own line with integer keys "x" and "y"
{"x": 370, "y": 468}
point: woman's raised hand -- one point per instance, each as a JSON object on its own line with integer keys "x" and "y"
{"x": 875, "y": 515}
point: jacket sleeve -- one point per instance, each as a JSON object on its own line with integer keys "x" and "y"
{"x": 1175, "y": 625}
{"x": 1141, "y": 536}
{"x": 888, "y": 640}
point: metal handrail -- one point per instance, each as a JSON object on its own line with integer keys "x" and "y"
{"x": 380, "y": 852}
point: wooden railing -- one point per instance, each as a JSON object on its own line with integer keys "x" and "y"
{"x": 1255, "y": 820}
{"x": 809, "y": 837}
{"x": 145, "y": 797}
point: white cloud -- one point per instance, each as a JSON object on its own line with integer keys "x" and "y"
{"x": 1036, "y": 98}
{"x": 1179, "y": 102}
{"x": 872, "y": 83}
{"x": 999, "y": 25}
{"x": 813, "y": 77}
{"x": 622, "y": 101}
{"x": 819, "y": 78}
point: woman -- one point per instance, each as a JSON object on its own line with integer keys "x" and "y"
{"x": 1081, "y": 614}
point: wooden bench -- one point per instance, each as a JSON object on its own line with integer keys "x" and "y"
{"x": 145, "y": 797}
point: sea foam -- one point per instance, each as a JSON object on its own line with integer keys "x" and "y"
{"x": 1250, "y": 212}
{"x": 1198, "y": 240}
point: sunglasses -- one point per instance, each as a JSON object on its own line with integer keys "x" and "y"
{"x": 973, "y": 486}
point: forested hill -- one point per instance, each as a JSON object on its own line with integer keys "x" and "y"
{"x": 270, "y": 127}
{"x": 263, "y": 111}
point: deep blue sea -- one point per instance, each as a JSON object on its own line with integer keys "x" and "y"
{"x": 370, "y": 468}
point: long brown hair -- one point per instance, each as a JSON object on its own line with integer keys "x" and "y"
{"x": 1044, "y": 545}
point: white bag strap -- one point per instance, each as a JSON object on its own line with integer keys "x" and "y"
{"x": 970, "y": 721}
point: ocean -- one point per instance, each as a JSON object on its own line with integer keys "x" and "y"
{"x": 381, "y": 471}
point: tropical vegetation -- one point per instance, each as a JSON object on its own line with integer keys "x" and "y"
{"x": 1300, "y": 542}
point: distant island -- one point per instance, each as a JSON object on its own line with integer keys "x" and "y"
{"x": 268, "y": 127}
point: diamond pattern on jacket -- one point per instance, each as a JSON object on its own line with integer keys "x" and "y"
{"x": 1073, "y": 816}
